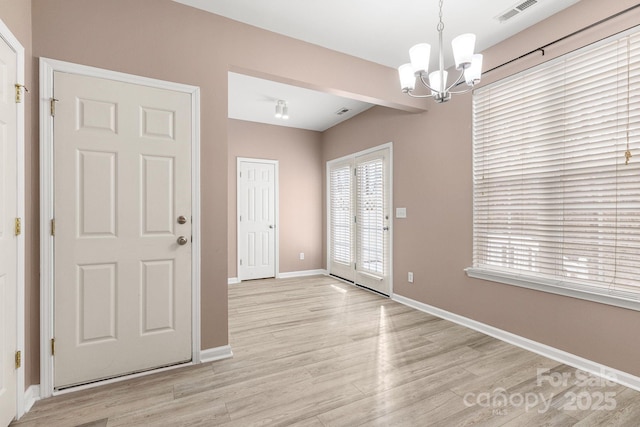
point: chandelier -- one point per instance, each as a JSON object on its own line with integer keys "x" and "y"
{"x": 468, "y": 63}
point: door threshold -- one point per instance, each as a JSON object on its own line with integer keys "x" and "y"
{"x": 120, "y": 378}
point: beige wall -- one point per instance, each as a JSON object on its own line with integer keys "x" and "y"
{"x": 299, "y": 155}
{"x": 432, "y": 179}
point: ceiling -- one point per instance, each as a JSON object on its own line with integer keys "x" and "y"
{"x": 381, "y": 31}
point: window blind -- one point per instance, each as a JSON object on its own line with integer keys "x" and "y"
{"x": 556, "y": 197}
{"x": 370, "y": 219}
{"x": 341, "y": 217}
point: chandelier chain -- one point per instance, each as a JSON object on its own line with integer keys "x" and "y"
{"x": 441, "y": 23}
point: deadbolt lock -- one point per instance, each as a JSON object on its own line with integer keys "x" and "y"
{"x": 182, "y": 219}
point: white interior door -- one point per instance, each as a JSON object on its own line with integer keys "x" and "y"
{"x": 359, "y": 225}
{"x": 8, "y": 240}
{"x": 122, "y": 184}
{"x": 257, "y": 184}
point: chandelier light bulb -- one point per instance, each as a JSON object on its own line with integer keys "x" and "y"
{"x": 473, "y": 73}
{"x": 463, "y": 47}
{"x": 407, "y": 77}
{"x": 419, "y": 55}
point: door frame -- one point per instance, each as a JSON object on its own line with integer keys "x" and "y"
{"x": 276, "y": 196}
{"x": 352, "y": 156}
{"x": 12, "y": 41}
{"x": 47, "y": 68}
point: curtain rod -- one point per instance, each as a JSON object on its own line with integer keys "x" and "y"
{"x": 542, "y": 48}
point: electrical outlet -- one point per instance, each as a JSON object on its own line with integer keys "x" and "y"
{"x": 301, "y": 255}
{"x": 410, "y": 277}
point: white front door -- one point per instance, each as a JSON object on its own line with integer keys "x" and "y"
{"x": 359, "y": 220}
{"x": 8, "y": 240}
{"x": 256, "y": 219}
{"x": 122, "y": 184}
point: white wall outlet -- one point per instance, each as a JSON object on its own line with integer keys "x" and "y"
{"x": 301, "y": 255}
{"x": 410, "y": 277}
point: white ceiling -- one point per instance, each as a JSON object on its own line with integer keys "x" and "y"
{"x": 380, "y": 31}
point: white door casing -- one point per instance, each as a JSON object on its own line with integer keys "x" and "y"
{"x": 155, "y": 162}
{"x": 257, "y": 218}
{"x": 8, "y": 238}
{"x": 359, "y": 221}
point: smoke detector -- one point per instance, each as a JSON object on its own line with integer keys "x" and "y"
{"x": 342, "y": 111}
{"x": 515, "y": 10}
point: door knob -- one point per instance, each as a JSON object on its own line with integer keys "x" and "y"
{"x": 270, "y": 226}
{"x": 182, "y": 240}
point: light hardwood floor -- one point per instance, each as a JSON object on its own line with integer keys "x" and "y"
{"x": 318, "y": 352}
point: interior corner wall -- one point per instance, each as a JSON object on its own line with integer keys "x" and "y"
{"x": 432, "y": 155}
{"x": 299, "y": 156}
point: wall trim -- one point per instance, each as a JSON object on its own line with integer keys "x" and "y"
{"x": 233, "y": 281}
{"x": 302, "y": 273}
{"x": 595, "y": 368}
{"x": 216, "y": 353}
{"x": 31, "y": 396}
{"x": 47, "y": 68}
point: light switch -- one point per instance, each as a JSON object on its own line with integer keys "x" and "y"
{"x": 401, "y": 212}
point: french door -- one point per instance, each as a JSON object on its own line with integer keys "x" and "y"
{"x": 359, "y": 220}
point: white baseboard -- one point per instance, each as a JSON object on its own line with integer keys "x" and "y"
{"x": 233, "y": 281}
{"x": 302, "y": 273}
{"x": 615, "y": 375}
{"x": 31, "y": 395}
{"x": 217, "y": 353}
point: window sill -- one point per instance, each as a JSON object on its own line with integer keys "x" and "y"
{"x": 558, "y": 287}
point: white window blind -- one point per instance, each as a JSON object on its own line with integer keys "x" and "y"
{"x": 341, "y": 216}
{"x": 556, "y": 200}
{"x": 370, "y": 218}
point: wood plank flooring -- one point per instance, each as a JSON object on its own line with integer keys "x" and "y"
{"x": 318, "y": 352}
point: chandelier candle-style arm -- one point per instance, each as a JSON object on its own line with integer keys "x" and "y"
{"x": 469, "y": 64}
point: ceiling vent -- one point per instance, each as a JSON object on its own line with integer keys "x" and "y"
{"x": 342, "y": 111}
{"x": 515, "y": 10}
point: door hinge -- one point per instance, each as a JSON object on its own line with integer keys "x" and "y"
{"x": 18, "y": 359}
{"x": 53, "y": 227}
{"x": 53, "y": 346}
{"x": 53, "y": 106}
{"x": 240, "y": 262}
{"x": 240, "y": 218}
{"x": 18, "y": 226}
{"x": 19, "y": 89}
